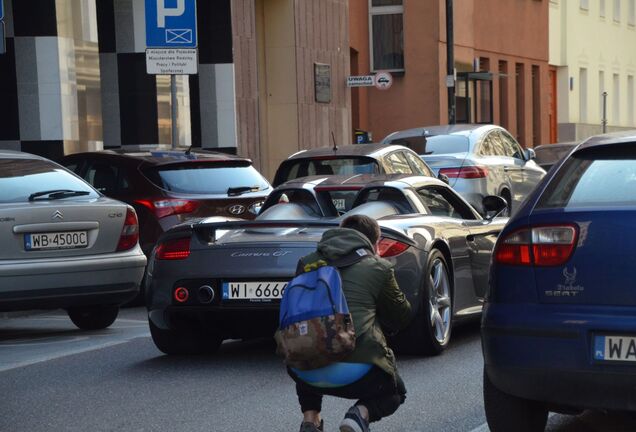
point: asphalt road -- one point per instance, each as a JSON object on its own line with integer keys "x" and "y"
{"x": 54, "y": 377}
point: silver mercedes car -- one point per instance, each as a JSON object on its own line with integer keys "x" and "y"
{"x": 64, "y": 245}
{"x": 478, "y": 160}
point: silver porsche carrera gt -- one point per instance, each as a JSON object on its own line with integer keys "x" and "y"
{"x": 212, "y": 279}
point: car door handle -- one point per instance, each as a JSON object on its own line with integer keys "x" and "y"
{"x": 510, "y": 169}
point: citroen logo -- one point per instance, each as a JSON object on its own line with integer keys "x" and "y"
{"x": 57, "y": 215}
{"x": 236, "y": 209}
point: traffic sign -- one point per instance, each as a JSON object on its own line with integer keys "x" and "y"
{"x": 171, "y": 61}
{"x": 360, "y": 81}
{"x": 171, "y": 24}
{"x": 383, "y": 80}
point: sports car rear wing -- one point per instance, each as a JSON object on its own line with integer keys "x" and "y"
{"x": 206, "y": 231}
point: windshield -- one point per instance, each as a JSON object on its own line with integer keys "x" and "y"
{"x": 22, "y": 178}
{"x": 349, "y": 165}
{"x": 437, "y": 144}
{"x": 208, "y": 178}
{"x": 596, "y": 179}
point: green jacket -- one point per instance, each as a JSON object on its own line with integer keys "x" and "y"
{"x": 372, "y": 294}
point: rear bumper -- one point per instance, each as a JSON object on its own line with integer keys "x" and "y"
{"x": 545, "y": 353}
{"x": 99, "y": 279}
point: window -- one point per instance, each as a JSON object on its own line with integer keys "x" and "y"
{"x": 616, "y": 114}
{"x": 630, "y": 100}
{"x": 398, "y": 163}
{"x": 441, "y": 202}
{"x": 605, "y": 177}
{"x": 601, "y": 8}
{"x": 601, "y": 90}
{"x": 418, "y": 166}
{"x": 386, "y": 25}
{"x": 582, "y": 95}
{"x": 584, "y": 4}
{"x": 617, "y": 10}
{"x": 512, "y": 147}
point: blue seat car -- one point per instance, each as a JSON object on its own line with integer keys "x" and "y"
{"x": 559, "y": 323}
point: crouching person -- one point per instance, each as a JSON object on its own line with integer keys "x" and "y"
{"x": 368, "y": 372}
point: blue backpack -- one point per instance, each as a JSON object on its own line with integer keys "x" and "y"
{"x": 315, "y": 326}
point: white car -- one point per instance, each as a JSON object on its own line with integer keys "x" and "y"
{"x": 478, "y": 159}
{"x": 64, "y": 245}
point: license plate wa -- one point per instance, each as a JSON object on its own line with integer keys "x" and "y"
{"x": 253, "y": 291}
{"x": 615, "y": 348}
{"x": 55, "y": 240}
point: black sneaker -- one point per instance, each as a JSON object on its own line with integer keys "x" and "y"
{"x": 353, "y": 421}
{"x": 311, "y": 427}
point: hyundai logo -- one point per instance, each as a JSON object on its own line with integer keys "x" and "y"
{"x": 236, "y": 209}
{"x": 57, "y": 215}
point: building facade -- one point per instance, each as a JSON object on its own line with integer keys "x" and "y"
{"x": 270, "y": 82}
{"x": 501, "y": 63}
{"x": 593, "y": 66}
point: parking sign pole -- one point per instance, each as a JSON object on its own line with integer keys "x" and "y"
{"x": 175, "y": 110}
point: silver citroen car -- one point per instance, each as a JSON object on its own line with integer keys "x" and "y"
{"x": 477, "y": 159}
{"x": 64, "y": 245}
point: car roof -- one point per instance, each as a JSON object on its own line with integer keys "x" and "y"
{"x": 462, "y": 129}
{"x": 371, "y": 150}
{"x": 614, "y": 138}
{"x": 12, "y": 154}
{"x": 359, "y": 180}
{"x": 160, "y": 156}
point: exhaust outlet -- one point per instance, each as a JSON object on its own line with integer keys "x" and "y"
{"x": 206, "y": 294}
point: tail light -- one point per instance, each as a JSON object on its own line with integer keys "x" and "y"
{"x": 541, "y": 246}
{"x": 465, "y": 172}
{"x": 173, "y": 249}
{"x": 130, "y": 233}
{"x": 389, "y": 248}
{"x": 167, "y": 207}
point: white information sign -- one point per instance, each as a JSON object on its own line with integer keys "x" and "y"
{"x": 172, "y": 61}
{"x": 361, "y": 81}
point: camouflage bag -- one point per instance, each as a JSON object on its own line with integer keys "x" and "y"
{"x": 315, "y": 326}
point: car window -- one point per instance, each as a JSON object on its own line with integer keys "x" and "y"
{"x": 486, "y": 148}
{"x": 512, "y": 148}
{"x": 19, "y": 178}
{"x": 417, "y": 165}
{"x": 344, "y": 165}
{"x": 391, "y": 195}
{"x": 435, "y": 144}
{"x": 398, "y": 163}
{"x": 207, "y": 177}
{"x": 497, "y": 145}
{"x": 441, "y": 202}
{"x": 302, "y": 197}
{"x": 598, "y": 178}
{"x": 107, "y": 178}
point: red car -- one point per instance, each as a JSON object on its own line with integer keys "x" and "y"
{"x": 169, "y": 187}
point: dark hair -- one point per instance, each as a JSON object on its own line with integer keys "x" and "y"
{"x": 364, "y": 224}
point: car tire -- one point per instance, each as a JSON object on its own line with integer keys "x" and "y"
{"x": 93, "y": 317}
{"x": 505, "y": 412}
{"x": 184, "y": 342}
{"x": 423, "y": 336}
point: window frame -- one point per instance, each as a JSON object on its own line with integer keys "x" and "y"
{"x": 384, "y": 10}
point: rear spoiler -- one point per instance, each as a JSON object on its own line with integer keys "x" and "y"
{"x": 206, "y": 231}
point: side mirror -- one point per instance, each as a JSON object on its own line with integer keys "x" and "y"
{"x": 444, "y": 178}
{"x": 530, "y": 154}
{"x": 494, "y": 204}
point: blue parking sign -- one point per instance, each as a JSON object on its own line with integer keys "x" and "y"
{"x": 171, "y": 23}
